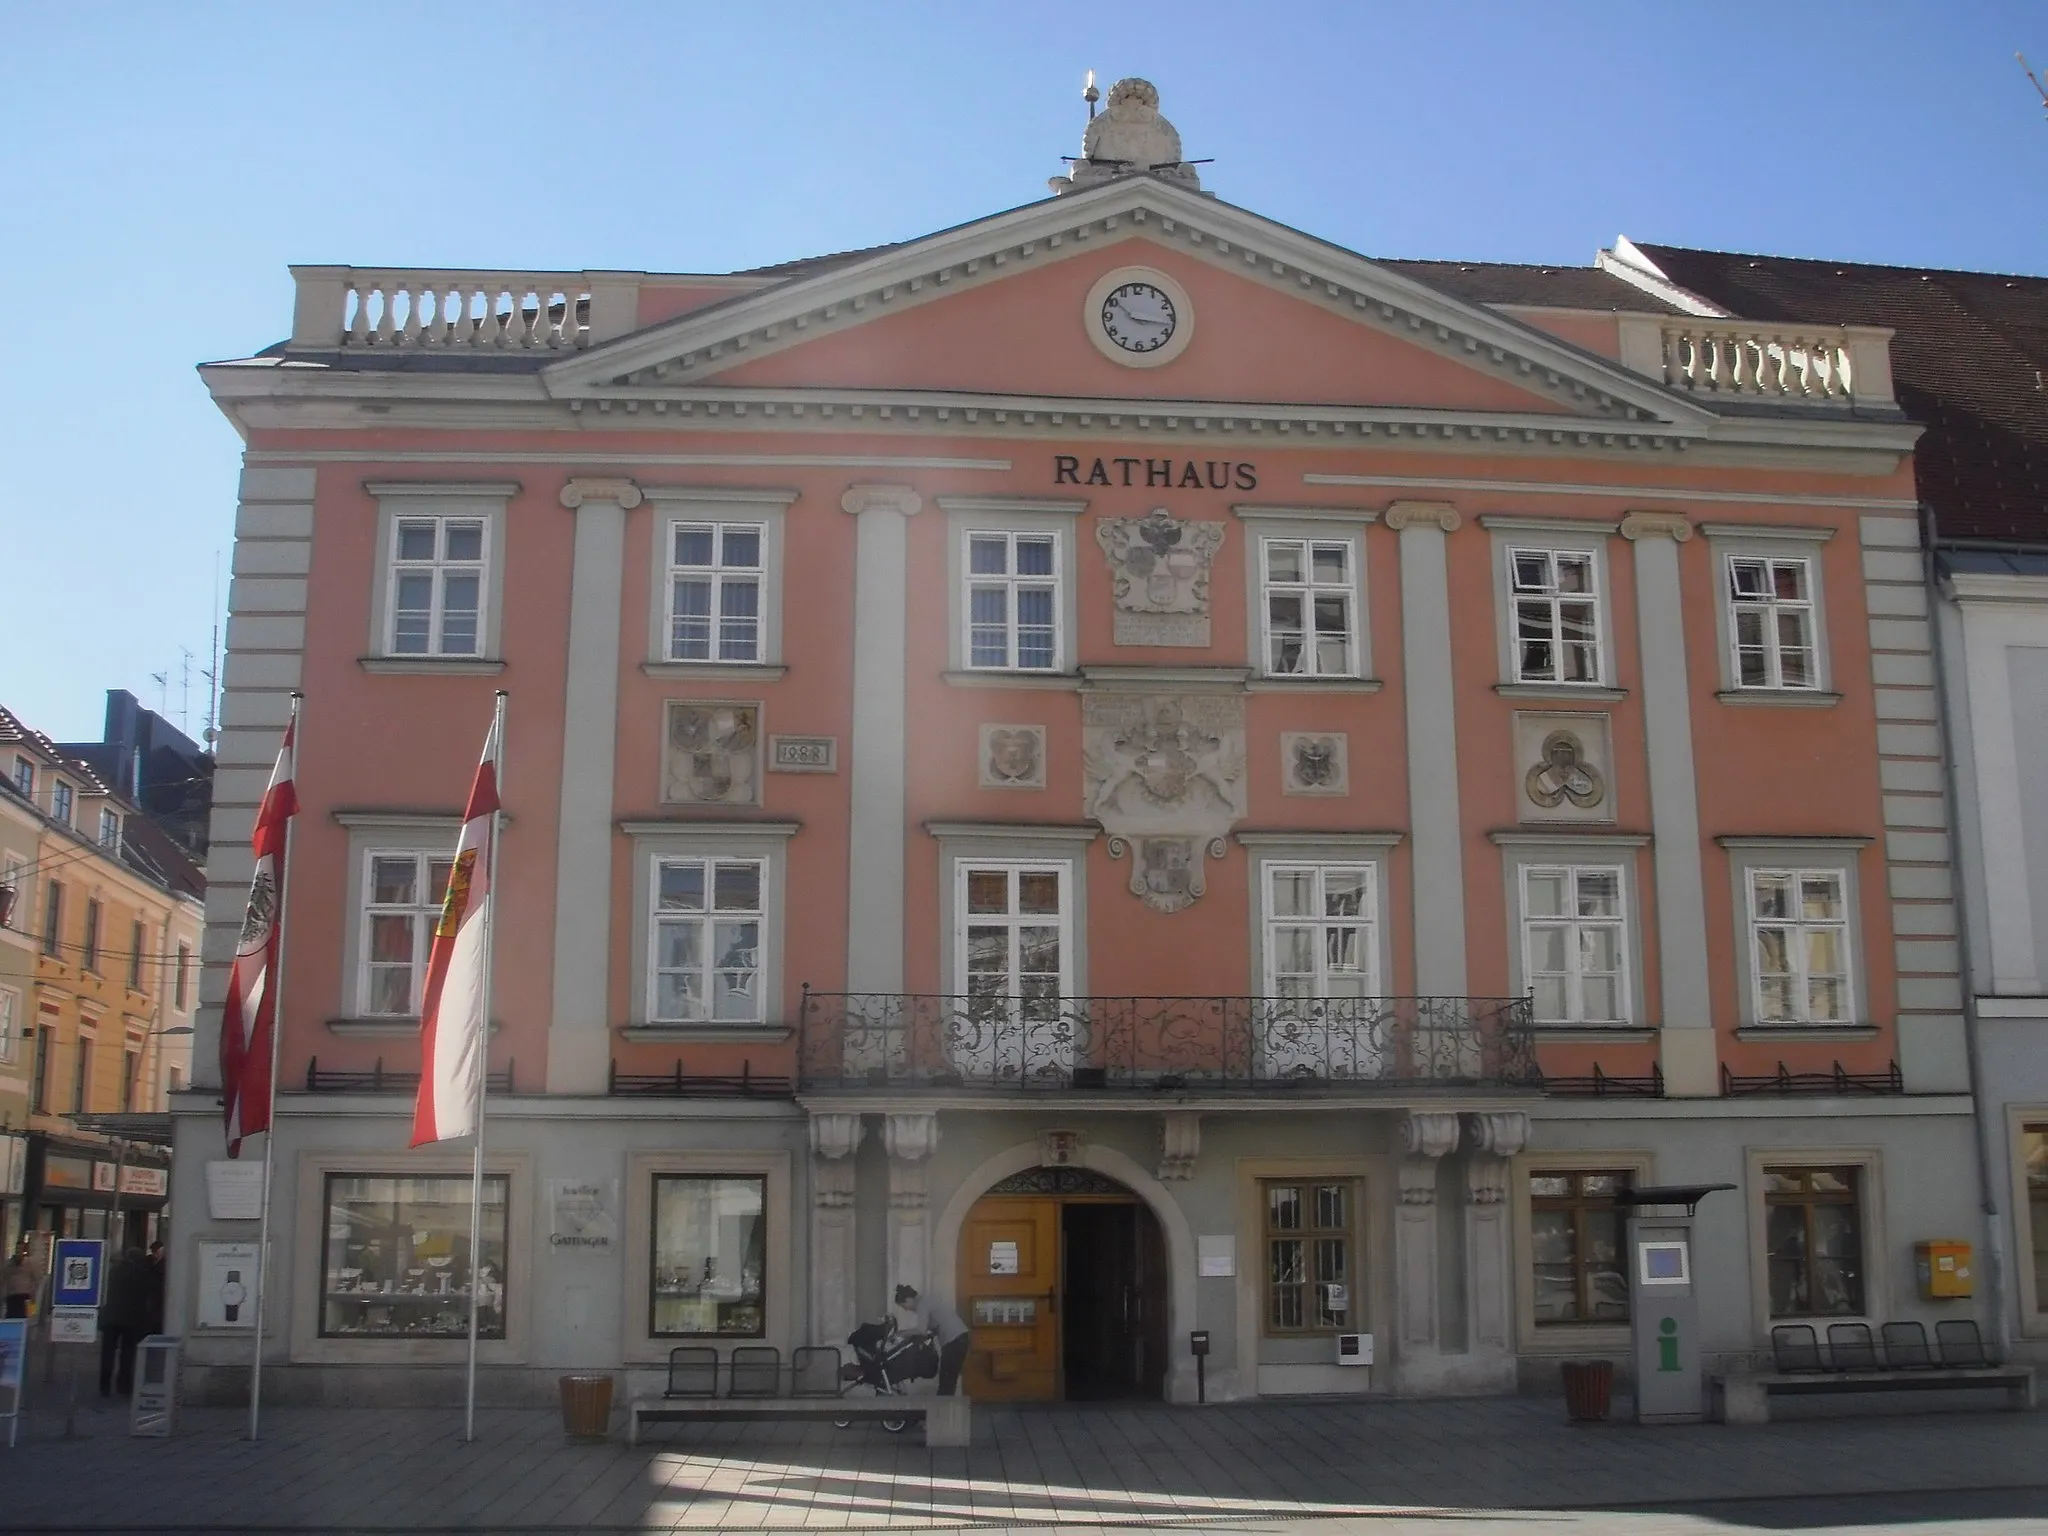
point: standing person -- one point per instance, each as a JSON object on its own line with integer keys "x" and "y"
{"x": 21, "y": 1281}
{"x": 124, "y": 1319}
{"x": 944, "y": 1325}
{"x": 156, "y": 1287}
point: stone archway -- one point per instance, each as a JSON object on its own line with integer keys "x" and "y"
{"x": 1107, "y": 1161}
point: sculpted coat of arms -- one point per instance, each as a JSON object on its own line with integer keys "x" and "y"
{"x": 711, "y": 754}
{"x": 1159, "y": 573}
{"x": 1165, "y": 777}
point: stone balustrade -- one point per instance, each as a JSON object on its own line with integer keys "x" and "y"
{"x": 1734, "y": 359}
{"x": 372, "y": 308}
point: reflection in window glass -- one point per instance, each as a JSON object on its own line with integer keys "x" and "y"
{"x": 1814, "y": 1237}
{"x": 709, "y": 1257}
{"x": 396, "y": 1257}
{"x": 2034, "y": 1148}
{"x": 1575, "y": 1233}
{"x": 1308, "y": 1256}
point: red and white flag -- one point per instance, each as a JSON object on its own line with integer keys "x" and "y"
{"x": 249, "y": 1014}
{"x": 453, "y": 1030}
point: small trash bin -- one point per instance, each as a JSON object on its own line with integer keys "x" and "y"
{"x": 1588, "y": 1390}
{"x": 586, "y": 1407}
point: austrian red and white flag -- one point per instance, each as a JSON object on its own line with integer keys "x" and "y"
{"x": 249, "y": 1014}
{"x": 452, "y": 1025}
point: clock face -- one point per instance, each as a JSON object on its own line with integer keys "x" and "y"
{"x": 1139, "y": 317}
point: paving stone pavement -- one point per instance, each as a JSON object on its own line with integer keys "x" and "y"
{"x": 1387, "y": 1467}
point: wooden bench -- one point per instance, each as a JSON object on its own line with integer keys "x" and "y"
{"x": 754, "y": 1391}
{"x": 1853, "y": 1364}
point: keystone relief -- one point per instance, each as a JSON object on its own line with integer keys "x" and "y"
{"x": 1159, "y": 574}
{"x": 1165, "y": 777}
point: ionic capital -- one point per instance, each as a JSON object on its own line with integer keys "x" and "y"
{"x": 1500, "y": 1133}
{"x": 910, "y": 1138}
{"x": 900, "y": 499}
{"x": 1424, "y": 514}
{"x": 1431, "y": 1134}
{"x": 835, "y": 1136}
{"x": 1675, "y": 526}
{"x": 620, "y": 490}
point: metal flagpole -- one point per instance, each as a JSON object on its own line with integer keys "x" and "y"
{"x": 483, "y": 1076}
{"x": 275, "y": 982}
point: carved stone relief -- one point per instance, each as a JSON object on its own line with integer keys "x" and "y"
{"x": 1315, "y": 763}
{"x": 1159, "y": 573}
{"x": 711, "y": 754}
{"x": 1013, "y": 757}
{"x": 1165, "y": 777}
{"x": 1565, "y": 765}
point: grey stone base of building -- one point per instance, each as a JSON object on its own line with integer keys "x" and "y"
{"x": 368, "y": 1386}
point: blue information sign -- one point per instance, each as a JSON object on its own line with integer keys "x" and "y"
{"x": 79, "y": 1272}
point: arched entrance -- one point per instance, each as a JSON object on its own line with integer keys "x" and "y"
{"x": 1063, "y": 1275}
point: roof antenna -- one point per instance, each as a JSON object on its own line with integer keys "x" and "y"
{"x": 1091, "y": 95}
{"x": 2039, "y": 82}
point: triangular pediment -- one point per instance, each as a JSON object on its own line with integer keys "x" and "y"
{"x": 995, "y": 308}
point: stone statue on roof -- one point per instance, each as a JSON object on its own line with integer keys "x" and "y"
{"x": 1128, "y": 137}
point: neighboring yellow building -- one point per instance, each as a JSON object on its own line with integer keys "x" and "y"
{"x": 104, "y": 930}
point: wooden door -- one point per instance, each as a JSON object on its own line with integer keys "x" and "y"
{"x": 1009, "y": 1296}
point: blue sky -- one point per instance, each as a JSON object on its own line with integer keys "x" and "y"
{"x": 161, "y": 165}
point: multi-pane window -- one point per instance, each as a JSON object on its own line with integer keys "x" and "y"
{"x": 714, "y": 591}
{"x": 110, "y": 829}
{"x": 60, "y": 802}
{"x": 708, "y": 924}
{"x": 1575, "y": 944}
{"x": 437, "y": 586}
{"x": 710, "y": 1257}
{"x": 401, "y": 903}
{"x": 1557, "y": 615}
{"x": 1310, "y": 1231}
{"x": 1771, "y": 622}
{"x": 1014, "y": 918}
{"x": 53, "y": 917}
{"x": 1799, "y": 943}
{"x": 1013, "y": 601}
{"x": 1813, "y": 1226}
{"x": 1575, "y": 1247}
{"x": 13, "y": 894}
{"x": 89, "y": 950}
{"x": 46, "y": 1064}
{"x": 131, "y": 1078}
{"x": 1309, "y": 608}
{"x": 25, "y": 777}
{"x": 1321, "y": 930}
{"x": 10, "y": 1024}
{"x": 2034, "y": 1149}
{"x": 135, "y": 957}
{"x": 397, "y": 1257}
{"x": 178, "y": 984}
{"x": 81, "y": 1076}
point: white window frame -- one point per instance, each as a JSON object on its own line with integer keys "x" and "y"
{"x": 438, "y": 569}
{"x": 443, "y": 502}
{"x": 1014, "y": 517}
{"x": 763, "y": 843}
{"x": 720, "y": 507}
{"x": 1773, "y": 609}
{"x": 1013, "y": 583}
{"x": 1014, "y": 920}
{"x": 11, "y": 1025}
{"x": 719, "y": 575}
{"x": 1025, "y": 1052}
{"x": 25, "y": 776}
{"x": 63, "y": 799}
{"x": 706, "y": 919}
{"x": 110, "y": 828}
{"x": 1796, "y": 927}
{"x": 14, "y": 872}
{"x": 1729, "y": 542}
{"x": 1349, "y": 587}
{"x": 1832, "y": 856}
{"x": 1555, "y": 597}
{"x": 1574, "y": 975}
{"x": 1370, "y": 920}
{"x": 1554, "y": 848}
{"x": 424, "y": 912}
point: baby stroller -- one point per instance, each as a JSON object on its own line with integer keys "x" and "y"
{"x": 886, "y": 1361}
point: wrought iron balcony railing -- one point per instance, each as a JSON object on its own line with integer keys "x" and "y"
{"x": 1168, "y": 1044}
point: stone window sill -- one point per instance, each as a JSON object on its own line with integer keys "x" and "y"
{"x": 430, "y": 666}
{"x": 1754, "y": 1033}
{"x": 1593, "y": 1034}
{"x": 1784, "y": 698}
{"x": 1577, "y": 1338}
{"x": 717, "y": 671}
{"x": 1313, "y": 685}
{"x": 704, "y": 1034}
{"x": 394, "y": 1027}
{"x": 1588, "y": 693}
{"x": 1067, "y": 681}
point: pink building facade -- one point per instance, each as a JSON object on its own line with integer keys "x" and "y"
{"x": 1119, "y": 764}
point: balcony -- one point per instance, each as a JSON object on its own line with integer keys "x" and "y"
{"x": 899, "y": 1041}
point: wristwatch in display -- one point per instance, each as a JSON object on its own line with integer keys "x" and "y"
{"x": 232, "y": 1294}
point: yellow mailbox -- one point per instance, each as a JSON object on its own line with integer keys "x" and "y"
{"x": 1944, "y": 1266}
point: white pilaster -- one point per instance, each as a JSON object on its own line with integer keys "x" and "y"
{"x": 876, "y": 758}
{"x": 1489, "y": 1246}
{"x": 1424, "y": 1139}
{"x": 835, "y": 1138}
{"x": 1686, "y": 1046}
{"x": 1439, "y": 869}
{"x": 910, "y": 1140}
{"x": 579, "y": 1032}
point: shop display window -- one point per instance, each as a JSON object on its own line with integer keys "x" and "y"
{"x": 397, "y": 1261}
{"x": 710, "y": 1236}
{"x": 1814, "y": 1228}
{"x": 1575, "y": 1242}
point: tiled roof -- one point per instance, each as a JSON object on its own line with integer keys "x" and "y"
{"x": 1970, "y": 362}
{"x": 14, "y": 733}
{"x": 1500, "y": 282}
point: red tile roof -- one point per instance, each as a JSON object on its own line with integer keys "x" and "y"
{"x": 1970, "y": 362}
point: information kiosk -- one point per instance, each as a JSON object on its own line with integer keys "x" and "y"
{"x": 1663, "y": 1306}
